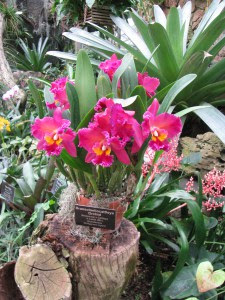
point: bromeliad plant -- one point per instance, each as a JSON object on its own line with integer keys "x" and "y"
{"x": 101, "y": 147}
{"x": 162, "y": 48}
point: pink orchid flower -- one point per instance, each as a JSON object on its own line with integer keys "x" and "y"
{"x": 100, "y": 146}
{"x": 150, "y": 84}
{"x": 54, "y": 134}
{"x": 119, "y": 122}
{"x": 109, "y": 132}
{"x": 110, "y": 66}
{"x": 58, "y": 88}
{"x": 161, "y": 127}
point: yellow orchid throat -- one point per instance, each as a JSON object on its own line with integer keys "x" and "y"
{"x": 55, "y": 139}
{"x": 102, "y": 150}
{"x": 158, "y": 135}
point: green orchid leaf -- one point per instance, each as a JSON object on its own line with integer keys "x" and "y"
{"x": 74, "y": 105}
{"x": 103, "y": 86}
{"x": 75, "y": 162}
{"x": 85, "y": 83}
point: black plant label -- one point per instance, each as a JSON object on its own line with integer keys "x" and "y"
{"x": 57, "y": 184}
{"x": 7, "y": 191}
{"x": 95, "y": 217}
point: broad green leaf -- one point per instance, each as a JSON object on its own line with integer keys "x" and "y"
{"x": 140, "y": 91}
{"x": 132, "y": 35}
{"x": 85, "y": 121}
{"x": 184, "y": 284}
{"x": 81, "y": 36}
{"x": 159, "y": 15}
{"x": 76, "y": 162}
{"x": 69, "y": 56}
{"x": 24, "y": 187}
{"x": 147, "y": 246}
{"x": 74, "y": 105}
{"x": 186, "y": 17}
{"x": 175, "y": 34}
{"x": 139, "y": 108}
{"x": 28, "y": 174}
{"x": 125, "y": 102}
{"x": 162, "y": 93}
{"x": 219, "y": 46}
{"x": 200, "y": 230}
{"x": 37, "y": 98}
{"x": 196, "y": 64}
{"x": 103, "y": 86}
{"x": 39, "y": 214}
{"x": 157, "y": 282}
{"x": 129, "y": 79}
{"x": 208, "y": 36}
{"x": 48, "y": 96}
{"x": 213, "y": 74}
{"x": 30, "y": 201}
{"x": 204, "y": 20}
{"x": 136, "y": 53}
{"x": 207, "y": 279}
{"x": 177, "y": 194}
{"x": 208, "y": 93}
{"x": 95, "y": 39}
{"x": 178, "y": 86}
{"x": 188, "y": 110}
{"x": 182, "y": 256}
{"x": 152, "y": 221}
{"x": 143, "y": 29}
{"x": 167, "y": 63}
{"x": 214, "y": 119}
{"x": 85, "y": 83}
{"x": 119, "y": 72}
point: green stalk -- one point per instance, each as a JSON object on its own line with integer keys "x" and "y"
{"x": 50, "y": 169}
{"x": 81, "y": 179}
{"x": 62, "y": 169}
{"x": 142, "y": 188}
{"x": 116, "y": 178}
{"x": 94, "y": 185}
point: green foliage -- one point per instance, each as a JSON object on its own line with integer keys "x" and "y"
{"x": 175, "y": 57}
{"x": 12, "y": 19}
{"x": 32, "y": 59}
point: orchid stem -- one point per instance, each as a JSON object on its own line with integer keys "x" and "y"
{"x": 94, "y": 185}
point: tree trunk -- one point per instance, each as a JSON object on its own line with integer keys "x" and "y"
{"x": 8, "y": 287}
{"x": 99, "y": 271}
{"x": 6, "y": 76}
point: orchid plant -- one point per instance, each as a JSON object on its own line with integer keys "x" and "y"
{"x": 98, "y": 136}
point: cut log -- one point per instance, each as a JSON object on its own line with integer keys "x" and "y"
{"x": 8, "y": 287}
{"x": 101, "y": 271}
{"x": 40, "y": 276}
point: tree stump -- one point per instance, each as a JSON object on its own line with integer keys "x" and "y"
{"x": 101, "y": 271}
{"x": 40, "y": 276}
{"x": 8, "y": 287}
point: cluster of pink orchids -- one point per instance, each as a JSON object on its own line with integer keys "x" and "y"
{"x": 108, "y": 134}
{"x": 113, "y": 131}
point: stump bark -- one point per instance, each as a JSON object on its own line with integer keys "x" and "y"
{"x": 8, "y": 287}
{"x": 101, "y": 271}
{"x": 40, "y": 276}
